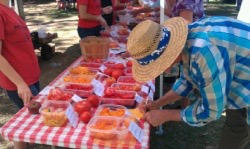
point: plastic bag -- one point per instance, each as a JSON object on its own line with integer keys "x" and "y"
{"x": 42, "y": 31}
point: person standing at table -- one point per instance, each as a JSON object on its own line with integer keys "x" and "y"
{"x": 90, "y": 20}
{"x": 19, "y": 68}
{"x": 108, "y": 17}
{"x": 215, "y": 55}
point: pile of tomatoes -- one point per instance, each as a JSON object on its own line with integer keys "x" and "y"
{"x": 79, "y": 87}
{"x": 59, "y": 94}
{"x": 84, "y": 107}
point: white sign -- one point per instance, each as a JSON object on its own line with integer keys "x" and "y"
{"x": 98, "y": 87}
{"x": 136, "y": 131}
{"x": 145, "y": 89}
{"x": 151, "y": 95}
{"x": 76, "y": 98}
{"x": 150, "y": 83}
{"x": 138, "y": 98}
{"x": 46, "y": 90}
{"x": 102, "y": 68}
{"x": 102, "y": 74}
{"x": 72, "y": 116}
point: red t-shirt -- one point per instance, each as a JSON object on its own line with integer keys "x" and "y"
{"x": 17, "y": 48}
{"x": 94, "y": 8}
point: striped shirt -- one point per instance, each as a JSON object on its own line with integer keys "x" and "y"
{"x": 216, "y": 61}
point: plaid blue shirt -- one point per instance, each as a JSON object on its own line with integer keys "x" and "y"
{"x": 216, "y": 61}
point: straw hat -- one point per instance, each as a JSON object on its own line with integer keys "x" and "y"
{"x": 155, "y": 47}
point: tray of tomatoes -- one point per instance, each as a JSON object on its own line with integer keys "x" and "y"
{"x": 59, "y": 94}
{"x": 53, "y": 113}
{"x": 119, "y": 97}
{"x": 126, "y": 86}
{"x": 111, "y": 110}
{"x": 82, "y": 90}
{"x": 107, "y": 127}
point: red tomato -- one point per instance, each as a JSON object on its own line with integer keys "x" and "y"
{"x": 109, "y": 92}
{"x": 98, "y": 61}
{"x": 117, "y": 73}
{"x": 108, "y": 71}
{"x": 85, "y": 117}
{"x": 55, "y": 94}
{"x": 119, "y": 66}
{"x": 129, "y": 63}
{"x": 94, "y": 100}
{"x": 82, "y": 106}
{"x": 110, "y": 81}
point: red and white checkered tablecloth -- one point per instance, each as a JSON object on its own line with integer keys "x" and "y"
{"x": 26, "y": 127}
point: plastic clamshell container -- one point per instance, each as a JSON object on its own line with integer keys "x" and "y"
{"x": 128, "y": 71}
{"x": 53, "y": 113}
{"x": 127, "y": 86}
{"x": 125, "y": 98}
{"x": 85, "y": 79}
{"x": 91, "y": 65}
{"x": 107, "y": 127}
{"x": 111, "y": 110}
{"x": 82, "y": 90}
{"x": 126, "y": 79}
{"x": 62, "y": 96}
{"x": 109, "y": 65}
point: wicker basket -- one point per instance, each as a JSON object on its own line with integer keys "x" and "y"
{"x": 95, "y": 47}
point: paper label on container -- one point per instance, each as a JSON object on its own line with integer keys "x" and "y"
{"x": 138, "y": 98}
{"x": 151, "y": 95}
{"x": 102, "y": 74}
{"x": 102, "y": 68}
{"x": 150, "y": 83}
{"x": 98, "y": 87}
{"x": 76, "y": 98}
{"x": 72, "y": 116}
{"x": 121, "y": 60}
{"x": 136, "y": 131}
{"x": 46, "y": 90}
{"x": 144, "y": 89}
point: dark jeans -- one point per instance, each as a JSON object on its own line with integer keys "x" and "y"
{"x": 84, "y": 32}
{"x": 13, "y": 95}
{"x": 236, "y": 131}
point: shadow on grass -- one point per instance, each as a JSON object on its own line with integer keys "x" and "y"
{"x": 220, "y": 9}
{"x": 59, "y": 62}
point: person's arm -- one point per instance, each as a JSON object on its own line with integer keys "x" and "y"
{"x": 22, "y": 88}
{"x": 119, "y": 4}
{"x": 210, "y": 70}
{"x": 187, "y": 15}
{"x": 135, "y": 12}
{"x": 86, "y": 16}
{"x": 157, "y": 117}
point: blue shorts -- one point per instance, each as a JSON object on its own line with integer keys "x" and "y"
{"x": 84, "y": 32}
{"x": 13, "y": 95}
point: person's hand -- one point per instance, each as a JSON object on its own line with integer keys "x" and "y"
{"x": 151, "y": 105}
{"x": 24, "y": 92}
{"x": 102, "y": 21}
{"x": 107, "y": 10}
{"x": 125, "y": 55}
{"x": 155, "y": 117}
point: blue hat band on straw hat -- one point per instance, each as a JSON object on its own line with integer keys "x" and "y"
{"x": 160, "y": 48}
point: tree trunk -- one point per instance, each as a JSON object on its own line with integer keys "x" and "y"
{"x": 19, "y": 8}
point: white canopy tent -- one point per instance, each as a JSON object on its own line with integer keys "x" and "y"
{"x": 243, "y": 14}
